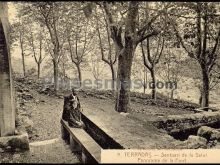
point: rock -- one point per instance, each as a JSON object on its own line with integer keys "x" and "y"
{"x": 152, "y": 103}
{"x": 215, "y": 135}
{"x": 209, "y": 133}
{"x": 13, "y": 142}
{"x": 85, "y": 96}
{"x": 195, "y": 142}
{"x": 16, "y": 156}
{"x": 27, "y": 123}
{"x": 45, "y": 90}
{"x": 101, "y": 97}
{"x": 1, "y": 150}
{"x": 23, "y": 113}
{"x": 133, "y": 99}
{"x": 205, "y": 132}
{"x": 217, "y": 146}
{"x": 60, "y": 97}
{"x": 19, "y": 90}
{"x": 159, "y": 114}
{"x": 22, "y": 103}
{"x": 186, "y": 122}
{"x": 36, "y": 135}
{"x": 26, "y": 96}
{"x": 26, "y": 90}
{"x": 124, "y": 114}
{"x": 20, "y": 142}
{"x": 17, "y": 149}
{"x": 16, "y": 132}
{"x": 8, "y": 148}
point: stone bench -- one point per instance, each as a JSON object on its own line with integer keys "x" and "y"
{"x": 80, "y": 141}
{"x": 112, "y": 130}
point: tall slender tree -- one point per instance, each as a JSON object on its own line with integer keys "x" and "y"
{"x": 53, "y": 16}
{"x": 36, "y": 43}
{"x": 151, "y": 56}
{"x": 79, "y": 37}
{"x": 108, "y": 54}
{"x": 200, "y": 38}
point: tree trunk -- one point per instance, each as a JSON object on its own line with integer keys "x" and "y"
{"x": 126, "y": 51}
{"x": 55, "y": 69}
{"x": 153, "y": 84}
{"x": 144, "y": 88}
{"x": 205, "y": 88}
{"x": 124, "y": 79}
{"x": 145, "y": 81}
{"x": 200, "y": 97}
{"x": 172, "y": 93}
{"x": 23, "y": 62}
{"x": 113, "y": 76}
{"x": 38, "y": 70}
{"x": 79, "y": 74}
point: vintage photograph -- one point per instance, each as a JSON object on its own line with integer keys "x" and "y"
{"x": 79, "y": 79}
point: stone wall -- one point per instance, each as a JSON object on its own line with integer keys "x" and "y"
{"x": 186, "y": 124}
{"x": 7, "y": 110}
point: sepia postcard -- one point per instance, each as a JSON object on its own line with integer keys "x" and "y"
{"x": 109, "y": 82}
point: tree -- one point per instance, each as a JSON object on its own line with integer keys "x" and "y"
{"x": 109, "y": 56}
{"x": 171, "y": 68}
{"x": 79, "y": 37}
{"x": 200, "y": 38}
{"x": 134, "y": 32}
{"x": 140, "y": 72}
{"x": 64, "y": 65}
{"x": 49, "y": 13}
{"x": 97, "y": 69}
{"x": 36, "y": 43}
{"x": 151, "y": 56}
{"x": 53, "y": 16}
{"x": 19, "y": 33}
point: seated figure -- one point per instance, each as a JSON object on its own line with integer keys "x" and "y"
{"x": 72, "y": 110}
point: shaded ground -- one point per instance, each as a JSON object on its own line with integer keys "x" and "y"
{"x": 58, "y": 152}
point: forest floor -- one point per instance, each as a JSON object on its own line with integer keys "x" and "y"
{"x": 44, "y": 110}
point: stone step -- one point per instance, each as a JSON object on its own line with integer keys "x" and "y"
{"x": 45, "y": 142}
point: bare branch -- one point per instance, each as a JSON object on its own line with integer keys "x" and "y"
{"x": 146, "y": 59}
{"x": 141, "y": 31}
{"x": 216, "y": 43}
{"x": 115, "y": 32}
{"x": 180, "y": 39}
{"x": 140, "y": 39}
{"x": 101, "y": 46}
{"x": 161, "y": 51}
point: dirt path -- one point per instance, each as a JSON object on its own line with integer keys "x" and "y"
{"x": 46, "y": 145}
{"x": 45, "y": 113}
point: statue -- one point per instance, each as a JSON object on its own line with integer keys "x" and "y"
{"x": 72, "y": 110}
